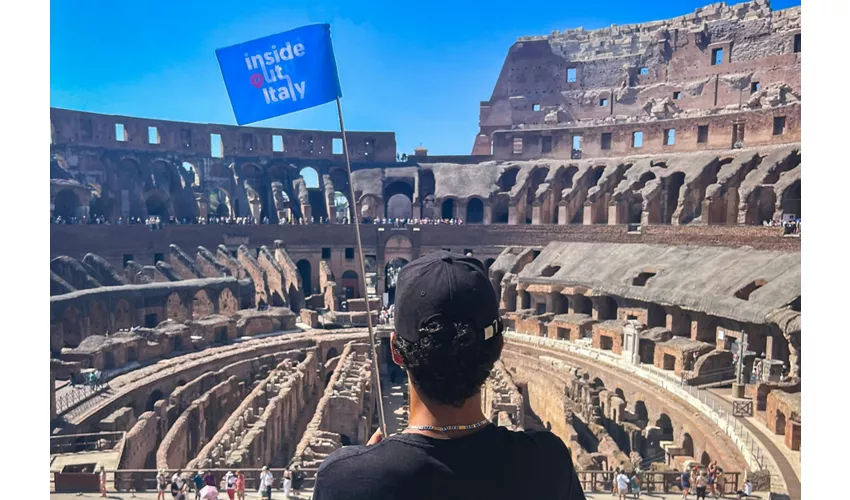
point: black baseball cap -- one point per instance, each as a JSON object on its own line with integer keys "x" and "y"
{"x": 448, "y": 286}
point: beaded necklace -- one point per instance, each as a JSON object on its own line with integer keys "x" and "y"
{"x": 449, "y": 427}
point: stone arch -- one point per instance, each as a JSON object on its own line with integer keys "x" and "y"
{"x": 791, "y": 199}
{"x": 310, "y": 176}
{"x": 500, "y": 209}
{"x": 220, "y": 203}
{"x": 155, "y": 396}
{"x": 508, "y": 179}
{"x": 66, "y": 204}
{"x": 72, "y": 326}
{"x": 156, "y": 204}
{"x": 474, "y": 211}
{"x": 227, "y": 303}
{"x": 666, "y": 425}
{"x": 174, "y": 308}
{"x": 129, "y": 173}
{"x": 447, "y": 208}
{"x": 538, "y": 175}
{"x": 305, "y": 271}
{"x": 98, "y": 318}
{"x": 398, "y": 196}
{"x": 165, "y": 177}
{"x": 351, "y": 284}
{"x": 391, "y": 275}
{"x": 641, "y": 413}
{"x": 672, "y": 187}
{"x": 123, "y": 315}
{"x": 332, "y": 353}
{"x": 202, "y": 305}
{"x": 398, "y": 246}
{"x": 368, "y": 206}
{"x": 342, "y": 209}
{"x": 219, "y": 171}
{"x": 760, "y": 205}
{"x": 687, "y": 445}
{"x": 189, "y": 173}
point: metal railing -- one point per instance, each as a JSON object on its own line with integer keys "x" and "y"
{"x": 79, "y": 396}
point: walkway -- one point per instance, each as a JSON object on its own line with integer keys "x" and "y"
{"x": 785, "y": 479}
{"x": 789, "y": 474}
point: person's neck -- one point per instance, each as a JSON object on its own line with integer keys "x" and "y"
{"x": 425, "y": 412}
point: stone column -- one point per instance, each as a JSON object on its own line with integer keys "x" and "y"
{"x": 631, "y": 342}
{"x": 563, "y": 215}
{"x": 614, "y": 214}
{"x": 588, "y": 213}
{"x": 536, "y": 213}
{"x": 513, "y": 215}
{"x": 488, "y": 212}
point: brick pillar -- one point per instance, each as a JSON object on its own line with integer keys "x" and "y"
{"x": 588, "y": 214}
{"x": 563, "y": 215}
{"x": 488, "y": 213}
{"x": 703, "y": 329}
{"x": 536, "y": 213}
{"x": 614, "y": 213}
{"x": 460, "y": 210}
{"x": 678, "y": 322}
{"x": 306, "y": 211}
{"x": 513, "y": 215}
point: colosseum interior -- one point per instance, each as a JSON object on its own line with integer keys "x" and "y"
{"x": 623, "y": 193}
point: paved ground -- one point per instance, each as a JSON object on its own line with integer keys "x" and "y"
{"x": 789, "y": 473}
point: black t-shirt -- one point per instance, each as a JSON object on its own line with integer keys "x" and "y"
{"x": 492, "y": 464}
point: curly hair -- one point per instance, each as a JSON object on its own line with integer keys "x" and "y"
{"x": 450, "y": 362}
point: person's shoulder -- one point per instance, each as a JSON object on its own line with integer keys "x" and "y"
{"x": 546, "y": 441}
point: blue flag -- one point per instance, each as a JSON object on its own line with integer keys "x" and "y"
{"x": 279, "y": 74}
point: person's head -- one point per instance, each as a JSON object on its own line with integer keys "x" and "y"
{"x": 448, "y": 333}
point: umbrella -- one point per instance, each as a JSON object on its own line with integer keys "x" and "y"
{"x": 209, "y": 493}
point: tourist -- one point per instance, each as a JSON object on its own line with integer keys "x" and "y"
{"x": 635, "y": 483}
{"x": 266, "y": 482}
{"x": 701, "y": 484}
{"x": 615, "y": 486}
{"x": 447, "y": 340}
{"x": 623, "y": 485}
{"x": 747, "y": 491}
{"x": 177, "y": 484}
{"x": 685, "y": 483}
{"x": 102, "y": 476}
{"x": 198, "y": 479}
{"x": 230, "y": 484}
{"x": 712, "y": 474}
{"x": 161, "y": 484}
{"x": 240, "y": 485}
{"x": 209, "y": 479}
{"x": 287, "y": 483}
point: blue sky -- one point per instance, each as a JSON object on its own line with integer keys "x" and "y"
{"x": 418, "y": 69}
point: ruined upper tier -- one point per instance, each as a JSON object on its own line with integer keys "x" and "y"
{"x": 719, "y": 68}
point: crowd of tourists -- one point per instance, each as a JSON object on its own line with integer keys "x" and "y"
{"x": 698, "y": 480}
{"x": 790, "y": 226}
{"x": 206, "y": 486}
{"x": 156, "y": 222}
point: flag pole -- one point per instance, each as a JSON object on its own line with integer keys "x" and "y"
{"x": 354, "y": 215}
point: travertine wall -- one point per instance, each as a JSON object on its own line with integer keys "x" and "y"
{"x": 719, "y": 67}
{"x": 343, "y": 414}
{"x": 255, "y": 433}
{"x": 502, "y": 402}
{"x": 635, "y": 419}
{"x": 141, "y": 440}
